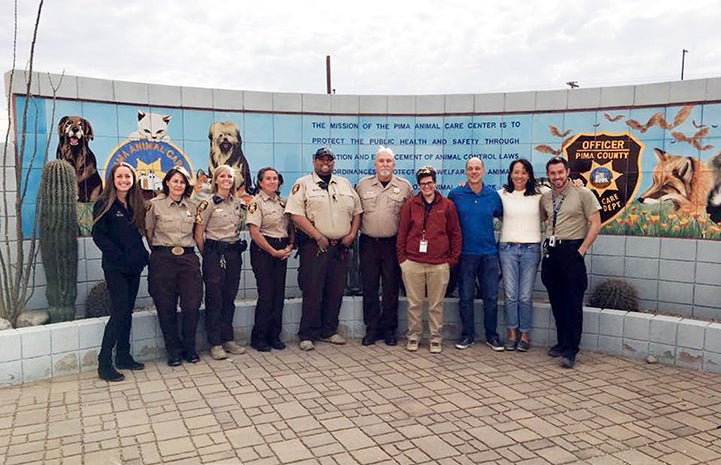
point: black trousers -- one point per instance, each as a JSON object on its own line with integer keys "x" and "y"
{"x": 221, "y": 289}
{"x": 123, "y": 289}
{"x": 378, "y": 264}
{"x": 563, "y": 273}
{"x": 270, "y": 278}
{"x": 324, "y": 279}
{"x": 172, "y": 277}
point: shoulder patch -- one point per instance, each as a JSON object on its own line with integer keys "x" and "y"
{"x": 252, "y": 207}
{"x": 203, "y": 205}
{"x": 198, "y": 219}
{"x": 148, "y": 205}
{"x": 295, "y": 189}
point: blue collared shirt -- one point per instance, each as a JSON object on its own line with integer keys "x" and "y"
{"x": 476, "y": 213}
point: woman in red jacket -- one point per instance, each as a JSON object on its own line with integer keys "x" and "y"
{"x": 428, "y": 244}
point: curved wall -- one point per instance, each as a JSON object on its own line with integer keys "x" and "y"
{"x": 615, "y": 138}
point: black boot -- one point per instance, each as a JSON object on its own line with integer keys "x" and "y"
{"x": 127, "y": 362}
{"x": 107, "y": 372}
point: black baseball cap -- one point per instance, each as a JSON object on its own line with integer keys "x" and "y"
{"x": 324, "y": 152}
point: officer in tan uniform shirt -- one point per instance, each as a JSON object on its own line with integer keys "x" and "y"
{"x": 573, "y": 220}
{"x": 217, "y": 232}
{"x": 327, "y": 209}
{"x": 272, "y": 245}
{"x": 382, "y": 197}
{"x": 174, "y": 270}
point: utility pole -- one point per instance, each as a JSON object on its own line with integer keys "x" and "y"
{"x": 327, "y": 74}
{"x": 683, "y": 61}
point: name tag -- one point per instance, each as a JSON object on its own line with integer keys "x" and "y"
{"x": 423, "y": 246}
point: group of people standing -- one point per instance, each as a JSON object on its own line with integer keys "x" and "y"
{"x": 174, "y": 225}
{"x": 413, "y": 239}
{"x": 418, "y": 239}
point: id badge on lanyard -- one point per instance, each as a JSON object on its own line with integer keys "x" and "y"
{"x": 423, "y": 246}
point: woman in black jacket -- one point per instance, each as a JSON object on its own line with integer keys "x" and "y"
{"x": 118, "y": 225}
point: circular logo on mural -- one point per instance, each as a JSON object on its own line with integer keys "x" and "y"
{"x": 601, "y": 177}
{"x": 151, "y": 159}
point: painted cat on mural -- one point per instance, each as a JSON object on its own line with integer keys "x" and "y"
{"x": 151, "y": 126}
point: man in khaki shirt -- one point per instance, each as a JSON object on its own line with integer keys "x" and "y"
{"x": 573, "y": 221}
{"x": 382, "y": 197}
{"x": 327, "y": 209}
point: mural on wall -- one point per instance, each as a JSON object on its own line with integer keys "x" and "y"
{"x": 150, "y": 151}
{"x": 74, "y": 136}
{"x": 225, "y": 149}
{"x": 655, "y": 170}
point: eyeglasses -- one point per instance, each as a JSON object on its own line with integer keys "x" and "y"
{"x": 426, "y": 184}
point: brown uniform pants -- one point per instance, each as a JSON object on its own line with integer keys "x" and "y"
{"x": 171, "y": 277}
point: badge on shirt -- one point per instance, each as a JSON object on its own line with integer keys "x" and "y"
{"x": 396, "y": 190}
{"x": 423, "y": 246}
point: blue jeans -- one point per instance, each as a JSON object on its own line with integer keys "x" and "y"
{"x": 483, "y": 268}
{"x": 519, "y": 263}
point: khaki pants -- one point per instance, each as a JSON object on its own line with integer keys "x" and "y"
{"x": 416, "y": 278}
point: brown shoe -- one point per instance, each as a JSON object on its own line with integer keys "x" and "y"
{"x": 218, "y": 353}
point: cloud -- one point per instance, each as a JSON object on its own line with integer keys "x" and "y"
{"x": 376, "y": 47}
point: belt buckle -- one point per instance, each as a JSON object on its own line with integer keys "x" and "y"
{"x": 177, "y": 250}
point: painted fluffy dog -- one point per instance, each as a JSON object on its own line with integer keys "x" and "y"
{"x": 75, "y": 134}
{"x": 225, "y": 149}
{"x": 683, "y": 181}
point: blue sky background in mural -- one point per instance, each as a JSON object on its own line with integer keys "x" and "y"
{"x": 287, "y": 141}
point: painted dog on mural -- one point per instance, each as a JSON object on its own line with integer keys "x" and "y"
{"x": 75, "y": 134}
{"x": 225, "y": 149}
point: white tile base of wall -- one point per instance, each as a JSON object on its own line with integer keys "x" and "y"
{"x": 30, "y": 354}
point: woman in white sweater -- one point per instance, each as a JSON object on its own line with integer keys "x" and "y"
{"x": 519, "y": 250}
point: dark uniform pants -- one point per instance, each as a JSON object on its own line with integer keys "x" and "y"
{"x": 270, "y": 275}
{"x": 564, "y": 274}
{"x": 123, "y": 288}
{"x": 221, "y": 288}
{"x": 324, "y": 278}
{"x": 171, "y": 277}
{"x": 378, "y": 263}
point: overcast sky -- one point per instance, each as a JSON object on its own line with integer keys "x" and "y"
{"x": 376, "y": 47}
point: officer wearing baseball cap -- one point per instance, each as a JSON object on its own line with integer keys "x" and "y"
{"x": 327, "y": 209}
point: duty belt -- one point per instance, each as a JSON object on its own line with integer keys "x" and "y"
{"x": 223, "y": 245}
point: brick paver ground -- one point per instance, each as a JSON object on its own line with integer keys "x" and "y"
{"x": 370, "y": 405}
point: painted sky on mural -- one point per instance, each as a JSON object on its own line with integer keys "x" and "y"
{"x": 377, "y": 47}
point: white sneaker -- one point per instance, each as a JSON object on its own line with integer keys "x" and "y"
{"x": 412, "y": 345}
{"x": 435, "y": 347}
{"x": 306, "y": 345}
{"x": 218, "y": 353}
{"x": 334, "y": 339}
{"x": 233, "y": 348}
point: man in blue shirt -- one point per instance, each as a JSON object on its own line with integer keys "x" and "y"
{"x": 477, "y": 205}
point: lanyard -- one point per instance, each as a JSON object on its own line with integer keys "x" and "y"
{"x": 426, "y": 211}
{"x": 556, "y": 209}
